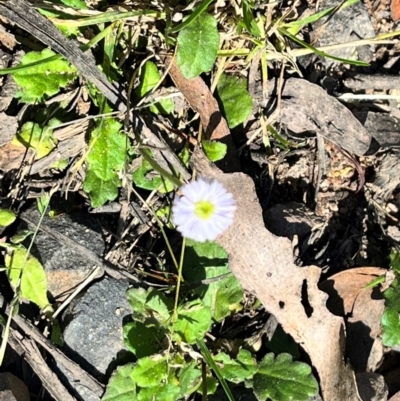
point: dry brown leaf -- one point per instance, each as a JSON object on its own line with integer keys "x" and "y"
{"x": 203, "y": 102}
{"x": 263, "y": 263}
{"x": 71, "y": 143}
{"x": 347, "y": 296}
{"x": 395, "y": 9}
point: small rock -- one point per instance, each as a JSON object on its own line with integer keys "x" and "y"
{"x": 384, "y": 127}
{"x": 349, "y": 24}
{"x": 66, "y": 268}
{"x": 12, "y": 388}
{"x": 94, "y": 331}
{"x": 371, "y": 386}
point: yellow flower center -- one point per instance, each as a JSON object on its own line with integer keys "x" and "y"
{"x": 204, "y": 210}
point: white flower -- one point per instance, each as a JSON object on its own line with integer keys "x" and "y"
{"x": 205, "y": 210}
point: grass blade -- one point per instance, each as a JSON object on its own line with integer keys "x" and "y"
{"x": 315, "y": 17}
{"x": 202, "y": 7}
{"x": 209, "y": 359}
{"x": 319, "y": 52}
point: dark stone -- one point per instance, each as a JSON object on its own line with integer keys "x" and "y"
{"x": 93, "y": 335}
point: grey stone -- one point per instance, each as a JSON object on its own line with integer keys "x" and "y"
{"x": 384, "y": 127}
{"x": 93, "y": 335}
{"x": 289, "y": 219}
{"x": 349, "y": 24}
{"x": 66, "y": 268}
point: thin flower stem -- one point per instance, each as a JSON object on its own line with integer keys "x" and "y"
{"x": 178, "y": 287}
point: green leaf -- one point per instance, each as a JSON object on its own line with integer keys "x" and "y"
{"x": 295, "y": 26}
{"x": 79, "y": 4}
{"x": 38, "y": 137}
{"x": 20, "y": 236}
{"x": 236, "y": 101}
{"x": 33, "y": 285}
{"x": 43, "y": 80}
{"x": 209, "y": 260}
{"x": 194, "y": 320}
{"x": 164, "y": 392}
{"x": 142, "y": 340}
{"x": 248, "y": 19}
{"x": 7, "y": 217}
{"x": 143, "y": 179}
{"x": 121, "y": 387}
{"x": 189, "y": 378}
{"x": 108, "y": 154}
{"x": 150, "y": 77}
{"x": 150, "y": 371}
{"x": 236, "y": 371}
{"x": 282, "y": 379}
{"x": 392, "y": 295}
{"x": 105, "y": 160}
{"x": 150, "y": 304}
{"x": 395, "y": 261}
{"x": 390, "y": 327}
{"x": 193, "y": 16}
{"x": 295, "y": 39}
{"x": 100, "y": 191}
{"x": 197, "y": 46}
{"x": 214, "y": 150}
{"x": 159, "y": 305}
{"x": 137, "y": 300}
{"x": 211, "y": 363}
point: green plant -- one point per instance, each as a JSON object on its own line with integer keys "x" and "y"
{"x": 164, "y": 341}
{"x": 25, "y": 273}
{"x": 390, "y": 319}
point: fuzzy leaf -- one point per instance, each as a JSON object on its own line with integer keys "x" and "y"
{"x": 236, "y": 371}
{"x": 159, "y": 305}
{"x": 33, "y": 285}
{"x": 142, "y": 340}
{"x": 150, "y": 304}
{"x": 100, "y": 191}
{"x": 197, "y": 46}
{"x": 194, "y": 320}
{"x": 35, "y": 136}
{"x": 44, "y": 80}
{"x": 164, "y": 392}
{"x": 392, "y": 295}
{"x": 150, "y": 371}
{"x": 282, "y": 379}
{"x": 7, "y": 217}
{"x": 137, "y": 300}
{"x": 209, "y": 260}
{"x": 121, "y": 387}
{"x": 189, "y": 378}
{"x": 107, "y": 157}
{"x": 390, "y": 327}
{"x": 145, "y": 177}
{"x": 214, "y": 150}
{"x": 236, "y": 101}
{"x": 105, "y": 160}
{"x": 150, "y": 77}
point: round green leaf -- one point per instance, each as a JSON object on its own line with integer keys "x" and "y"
{"x": 197, "y": 46}
{"x": 7, "y": 217}
{"x": 142, "y": 340}
{"x": 282, "y": 379}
